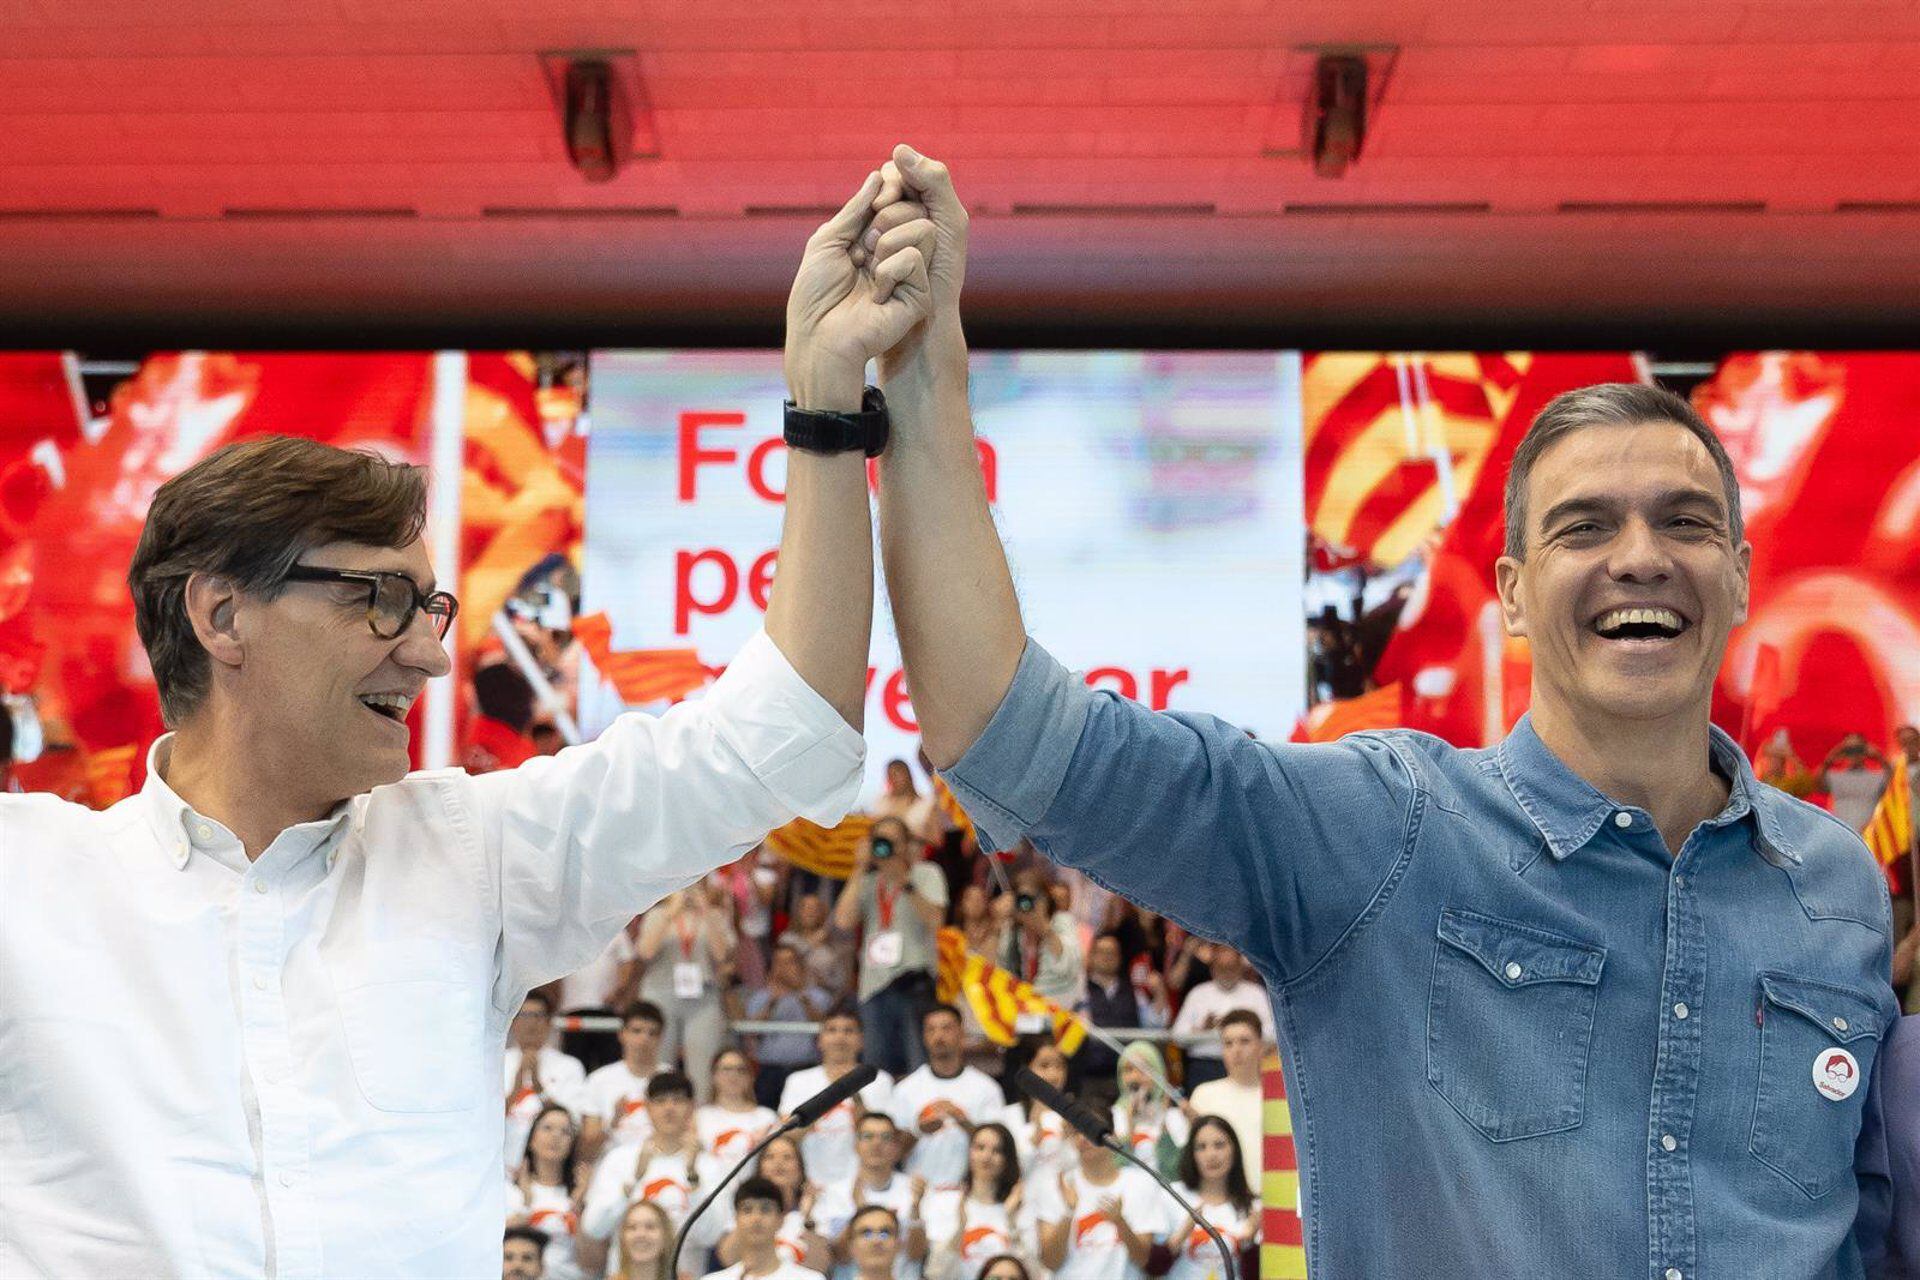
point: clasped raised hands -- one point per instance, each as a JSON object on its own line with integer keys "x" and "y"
{"x": 850, "y": 303}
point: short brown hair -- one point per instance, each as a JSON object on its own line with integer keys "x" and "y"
{"x": 1614, "y": 404}
{"x": 1243, "y": 1018}
{"x": 247, "y": 513}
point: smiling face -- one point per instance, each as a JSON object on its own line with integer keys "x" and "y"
{"x": 644, "y": 1232}
{"x": 299, "y": 671}
{"x": 1631, "y": 581}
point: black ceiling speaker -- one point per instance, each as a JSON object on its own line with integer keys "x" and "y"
{"x": 1336, "y": 115}
{"x": 593, "y": 115}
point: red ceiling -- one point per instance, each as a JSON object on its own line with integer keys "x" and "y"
{"x": 343, "y": 162}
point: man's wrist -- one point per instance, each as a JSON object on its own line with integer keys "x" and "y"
{"x": 826, "y": 384}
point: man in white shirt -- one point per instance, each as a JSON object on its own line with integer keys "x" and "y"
{"x": 1208, "y": 1003}
{"x": 614, "y": 1103}
{"x": 876, "y": 1180}
{"x": 668, "y": 1167}
{"x": 757, "y": 1212}
{"x": 536, "y": 1073}
{"x": 312, "y": 955}
{"x": 938, "y": 1105}
{"x": 1235, "y": 1097}
{"x": 827, "y": 1145}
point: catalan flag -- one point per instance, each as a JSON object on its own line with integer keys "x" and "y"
{"x": 1283, "y": 1251}
{"x": 825, "y": 851}
{"x": 1889, "y": 832}
{"x": 997, "y": 997}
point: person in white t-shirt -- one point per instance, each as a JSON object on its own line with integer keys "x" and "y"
{"x": 1038, "y": 1131}
{"x": 549, "y": 1187}
{"x": 1101, "y": 1220}
{"x": 1232, "y": 986}
{"x": 1236, "y": 1097}
{"x": 536, "y": 1073}
{"x": 1145, "y": 1117}
{"x": 873, "y": 1242}
{"x": 757, "y": 1212}
{"x": 828, "y": 1143}
{"x": 876, "y": 1179}
{"x": 668, "y": 1167}
{"x": 937, "y": 1105}
{"x": 733, "y": 1122}
{"x": 1214, "y": 1177}
{"x": 607, "y": 983}
{"x": 614, "y": 1098}
{"x": 798, "y": 1239}
{"x": 965, "y": 1228}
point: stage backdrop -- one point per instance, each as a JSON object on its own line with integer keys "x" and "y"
{"x": 1154, "y": 504}
{"x": 1150, "y": 504}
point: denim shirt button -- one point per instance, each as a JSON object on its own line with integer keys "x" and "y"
{"x": 1667, "y": 1143}
{"x": 1673, "y": 1273}
{"x": 1680, "y": 1011}
{"x": 1623, "y": 819}
{"x": 1514, "y": 971}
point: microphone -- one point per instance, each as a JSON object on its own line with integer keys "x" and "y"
{"x": 1093, "y": 1126}
{"x": 810, "y": 1111}
{"x": 805, "y": 1114}
{"x": 1096, "y": 1129}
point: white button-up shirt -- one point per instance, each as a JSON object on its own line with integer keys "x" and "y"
{"x": 291, "y": 1067}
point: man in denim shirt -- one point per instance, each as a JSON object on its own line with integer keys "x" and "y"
{"x": 1647, "y": 992}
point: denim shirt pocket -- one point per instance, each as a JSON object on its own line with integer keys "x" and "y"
{"x": 1801, "y": 1133}
{"x": 1509, "y": 1024}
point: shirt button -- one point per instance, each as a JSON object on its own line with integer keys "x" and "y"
{"x": 1679, "y": 882}
{"x": 1673, "y": 1273}
{"x": 1623, "y": 819}
{"x": 259, "y": 983}
{"x": 1839, "y": 1024}
{"x": 1667, "y": 1143}
{"x": 204, "y": 831}
{"x": 1514, "y": 971}
{"x": 259, "y": 886}
{"x": 286, "y": 1180}
{"x": 1680, "y": 1011}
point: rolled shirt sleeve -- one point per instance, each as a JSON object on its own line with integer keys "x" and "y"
{"x": 1166, "y": 807}
{"x": 579, "y": 843}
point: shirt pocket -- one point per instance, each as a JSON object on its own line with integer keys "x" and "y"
{"x": 413, "y": 1018}
{"x": 1800, "y": 1132}
{"x": 1509, "y": 1024}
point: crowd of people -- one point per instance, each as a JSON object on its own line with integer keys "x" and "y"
{"x": 742, "y": 996}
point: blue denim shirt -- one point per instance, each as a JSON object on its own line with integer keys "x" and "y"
{"x": 1520, "y": 1039}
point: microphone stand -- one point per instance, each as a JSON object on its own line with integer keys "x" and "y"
{"x": 1095, "y": 1129}
{"x": 1119, "y": 1148}
{"x": 804, "y": 1116}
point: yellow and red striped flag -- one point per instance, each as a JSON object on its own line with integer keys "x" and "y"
{"x": 1889, "y": 832}
{"x": 825, "y": 851}
{"x": 998, "y": 998}
{"x": 1283, "y": 1252}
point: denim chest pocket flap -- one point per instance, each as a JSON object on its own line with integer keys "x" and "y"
{"x": 1801, "y": 1131}
{"x": 1510, "y": 1024}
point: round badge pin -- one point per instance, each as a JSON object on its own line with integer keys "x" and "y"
{"x": 1836, "y": 1074}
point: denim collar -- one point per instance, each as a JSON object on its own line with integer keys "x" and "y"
{"x": 1568, "y": 810}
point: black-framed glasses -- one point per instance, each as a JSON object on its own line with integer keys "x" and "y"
{"x": 392, "y": 598}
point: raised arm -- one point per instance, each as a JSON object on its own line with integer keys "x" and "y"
{"x": 1165, "y": 808}
{"x": 953, "y": 601}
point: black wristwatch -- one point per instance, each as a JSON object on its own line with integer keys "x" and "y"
{"x": 824, "y": 431}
